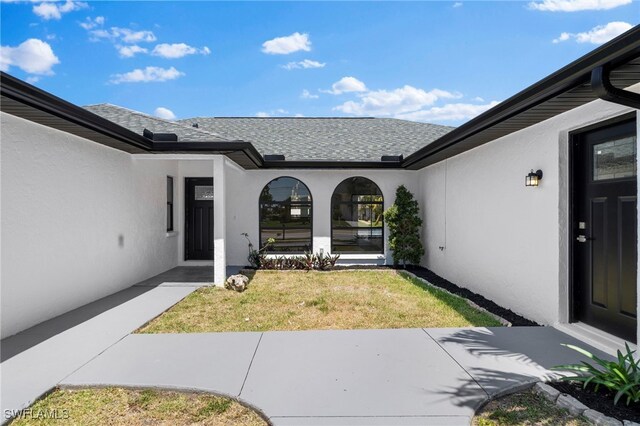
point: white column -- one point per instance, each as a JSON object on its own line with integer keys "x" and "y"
{"x": 219, "y": 221}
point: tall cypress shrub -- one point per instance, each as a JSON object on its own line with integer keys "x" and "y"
{"x": 403, "y": 220}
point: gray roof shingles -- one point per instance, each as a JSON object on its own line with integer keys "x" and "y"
{"x": 137, "y": 122}
{"x": 346, "y": 139}
{"x": 299, "y": 139}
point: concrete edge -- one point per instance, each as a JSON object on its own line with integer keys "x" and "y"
{"x": 519, "y": 387}
{"x": 576, "y": 404}
{"x": 502, "y": 321}
{"x": 136, "y": 330}
{"x": 36, "y": 399}
{"x": 238, "y": 399}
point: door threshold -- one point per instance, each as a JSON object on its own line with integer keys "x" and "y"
{"x": 595, "y": 337}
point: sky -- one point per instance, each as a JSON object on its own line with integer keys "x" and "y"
{"x": 439, "y": 61}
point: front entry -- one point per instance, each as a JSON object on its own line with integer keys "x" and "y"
{"x": 198, "y": 219}
{"x": 605, "y": 247}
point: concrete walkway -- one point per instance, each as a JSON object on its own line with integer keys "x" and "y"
{"x": 348, "y": 377}
{"x": 37, "y": 359}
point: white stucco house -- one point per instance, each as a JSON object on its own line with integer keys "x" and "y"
{"x": 97, "y": 198}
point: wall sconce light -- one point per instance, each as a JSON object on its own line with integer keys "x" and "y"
{"x": 533, "y": 178}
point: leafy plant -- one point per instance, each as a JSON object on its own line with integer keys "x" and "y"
{"x": 321, "y": 261}
{"x": 257, "y": 258}
{"x": 403, "y": 220}
{"x": 621, "y": 376}
{"x": 308, "y": 261}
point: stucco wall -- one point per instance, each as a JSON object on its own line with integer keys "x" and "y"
{"x": 79, "y": 221}
{"x": 500, "y": 238}
{"x": 243, "y": 191}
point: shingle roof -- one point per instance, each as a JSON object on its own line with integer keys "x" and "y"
{"x": 137, "y": 122}
{"x": 298, "y": 139}
{"x": 346, "y": 139}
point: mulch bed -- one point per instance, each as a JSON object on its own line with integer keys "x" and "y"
{"x": 515, "y": 319}
{"x": 601, "y": 401}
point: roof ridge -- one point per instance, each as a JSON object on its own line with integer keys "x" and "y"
{"x": 161, "y": 120}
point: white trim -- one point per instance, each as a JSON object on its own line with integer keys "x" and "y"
{"x": 175, "y": 156}
{"x": 595, "y": 337}
{"x": 172, "y": 234}
{"x": 377, "y": 256}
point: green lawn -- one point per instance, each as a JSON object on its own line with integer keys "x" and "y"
{"x": 525, "y": 408}
{"x": 297, "y": 300}
{"x": 117, "y": 406}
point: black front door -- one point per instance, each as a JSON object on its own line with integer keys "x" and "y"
{"x": 605, "y": 228}
{"x": 199, "y": 219}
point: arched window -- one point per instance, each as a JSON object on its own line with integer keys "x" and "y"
{"x": 356, "y": 217}
{"x": 285, "y": 215}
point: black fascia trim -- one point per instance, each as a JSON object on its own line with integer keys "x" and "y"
{"x": 29, "y": 95}
{"x": 211, "y": 147}
{"x": 614, "y": 53}
{"x": 312, "y": 164}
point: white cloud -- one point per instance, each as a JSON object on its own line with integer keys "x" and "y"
{"x": 305, "y": 64}
{"x": 308, "y": 95}
{"x": 576, "y": 5}
{"x": 389, "y": 103}
{"x": 178, "y": 50}
{"x": 457, "y": 4}
{"x": 288, "y": 44}
{"x": 54, "y": 10}
{"x": 276, "y": 112}
{"x": 126, "y": 35}
{"x": 298, "y": 115}
{"x": 130, "y": 51}
{"x": 597, "y": 35}
{"x": 346, "y": 85}
{"x": 32, "y": 79}
{"x": 89, "y": 23}
{"x": 448, "y": 112}
{"x": 146, "y": 75}
{"x": 478, "y": 99}
{"x": 33, "y": 56}
{"x": 164, "y": 113}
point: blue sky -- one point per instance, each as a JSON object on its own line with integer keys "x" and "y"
{"x": 441, "y": 62}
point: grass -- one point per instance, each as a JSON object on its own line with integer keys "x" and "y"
{"x": 117, "y": 406}
{"x": 313, "y": 300}
{"x": 525, "y": 408}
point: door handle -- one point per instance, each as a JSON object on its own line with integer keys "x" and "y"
{"x": 583, "y": 238}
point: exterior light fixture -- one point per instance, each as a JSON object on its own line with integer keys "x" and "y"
{"x": 533, "y": 178}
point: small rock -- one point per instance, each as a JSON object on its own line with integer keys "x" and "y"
{"x": 550, "y": 393}
{"x": 571, "y": 404}
{"x": 599, "y": 419}
{"x": 237, "y": 282}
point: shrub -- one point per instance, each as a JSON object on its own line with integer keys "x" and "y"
{"x": 404, "y": 224}
{"x": 257, "y": 257}
{"x": 621, "y": 376}
{"x": 308, "y": 261}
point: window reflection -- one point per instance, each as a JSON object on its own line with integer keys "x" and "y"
{"x": 286, "y": 215}
{"x": 357, "y": 220}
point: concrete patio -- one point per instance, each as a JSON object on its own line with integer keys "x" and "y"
{"x": 372, "y": 377}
